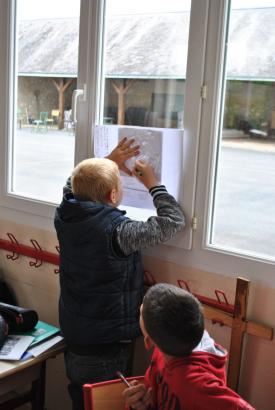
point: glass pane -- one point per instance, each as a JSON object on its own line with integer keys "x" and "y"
{"x": 146, "y": 47}
{"x": 244, "y": 203}
{"x": 43, "y": 135}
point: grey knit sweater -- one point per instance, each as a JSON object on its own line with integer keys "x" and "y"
{"x": 131, "y": 236}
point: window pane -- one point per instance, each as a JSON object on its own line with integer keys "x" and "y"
{"x": 145, "y": 62}
{"x": 43, "y": 134}
{"x": 244, "y": 203}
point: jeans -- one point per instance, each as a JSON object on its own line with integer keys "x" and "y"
{"x": 92, "y": 369}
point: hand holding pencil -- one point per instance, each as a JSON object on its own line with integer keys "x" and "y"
{"x": 145, "y": 174}
{"x": 136, "y": 395}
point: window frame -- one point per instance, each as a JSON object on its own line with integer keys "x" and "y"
{"x": 205, "y": 55}
{"x": 13, "y": 205}
{"x": 207, "y": 256}
{"x": 90, "y": 107}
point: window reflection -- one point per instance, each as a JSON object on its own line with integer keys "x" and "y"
{"x": 145, "y": 63}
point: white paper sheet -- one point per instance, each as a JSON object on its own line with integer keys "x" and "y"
{"x": 15, "y": 346}
{"x": 105, "y": 139}
{"x": 160, "y": 147}
{"x": 42, "y": 347}
{"x": 150, "y": 146}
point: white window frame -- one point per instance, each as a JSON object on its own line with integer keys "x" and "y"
{"x": 203, "y": 256}
{"x": 90, "y": 51}
{"x": 16, "y": 207}
{"x": 205, "y": 59}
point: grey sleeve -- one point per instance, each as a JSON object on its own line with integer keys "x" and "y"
{"x": 67, "y": 189}
{"x": 132, "y": 236}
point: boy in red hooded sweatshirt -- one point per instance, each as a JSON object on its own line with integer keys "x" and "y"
{"x": 187, "y": 371}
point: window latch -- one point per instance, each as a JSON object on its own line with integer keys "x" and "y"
{"x": 203, "y": 92}
{"x": 194, "y": 223}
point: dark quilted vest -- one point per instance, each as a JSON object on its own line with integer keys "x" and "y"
{"x": 100, "y": 291}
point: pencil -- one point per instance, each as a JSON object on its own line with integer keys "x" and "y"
{"x": 139, "y": 173}
{"x": 120, "y": 375}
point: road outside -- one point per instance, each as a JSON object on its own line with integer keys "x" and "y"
{"x": 43, "y": 162}
{"x": 245, "y": 197}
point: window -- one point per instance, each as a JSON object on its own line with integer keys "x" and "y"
{"x": 41, "y": 147}
{"x": 45, "y": 59}
{"x": 145, "y": 83}
{"x": 243, "y": 218}
{"x": 144, "y": 76}
{"x": 145, "y": 62}
{"x": 193, "y": 67}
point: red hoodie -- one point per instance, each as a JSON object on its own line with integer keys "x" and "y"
{"x": 196, "y": 382}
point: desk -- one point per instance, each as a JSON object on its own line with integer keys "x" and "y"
{"x": 15, "y": 374}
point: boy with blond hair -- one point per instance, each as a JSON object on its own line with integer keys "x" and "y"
{"x": 187, "y": 370}
{"x": 101, "y": 276}
{"x": 93, "y": 179}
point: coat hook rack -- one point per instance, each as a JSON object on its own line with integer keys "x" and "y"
{"x": 35, "y": 252}
{"x": 216, "y": 303}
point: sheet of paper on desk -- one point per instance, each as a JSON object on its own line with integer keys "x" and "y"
{"x": 42, "y": 347}
{"x": 14, "y": 347}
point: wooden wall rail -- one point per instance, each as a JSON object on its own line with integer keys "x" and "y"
{"x": 240, "y": 326}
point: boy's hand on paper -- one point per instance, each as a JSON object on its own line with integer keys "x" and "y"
{"x": 145, "y": 174}
{"x": 124, "y": 151}
{"x": 137, "y": 397}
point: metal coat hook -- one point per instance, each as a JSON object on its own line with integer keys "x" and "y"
{"x": 38, "y": 262}
{"x": 183, "y": 282}
{"x": 56, "y": 271}
{"x": 220, "y": 322}
{"x": 13, "y": 240}
{"x": 149, "y": 279}
{"x": 220, "y": 292}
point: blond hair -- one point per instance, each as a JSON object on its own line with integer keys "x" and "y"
{"x": 94, "y": 178}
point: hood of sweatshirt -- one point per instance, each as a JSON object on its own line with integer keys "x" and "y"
{"x": 75, "y": 218}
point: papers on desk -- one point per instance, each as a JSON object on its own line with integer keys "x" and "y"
{"x": 42, "y": 332}
{"x": 14, "y": 347}
{"x": 31, "y": 344}
{"x": 42, "y": 347}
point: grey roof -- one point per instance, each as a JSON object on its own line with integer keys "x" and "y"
{"x": 148, "y": 46}
{"x": 251, "y": 50}
{"x": 48, "y": 47}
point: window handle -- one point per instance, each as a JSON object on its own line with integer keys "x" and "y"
{"x": 80, "y": 92}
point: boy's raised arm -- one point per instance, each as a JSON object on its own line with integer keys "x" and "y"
{"x": 133, "y": 236}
